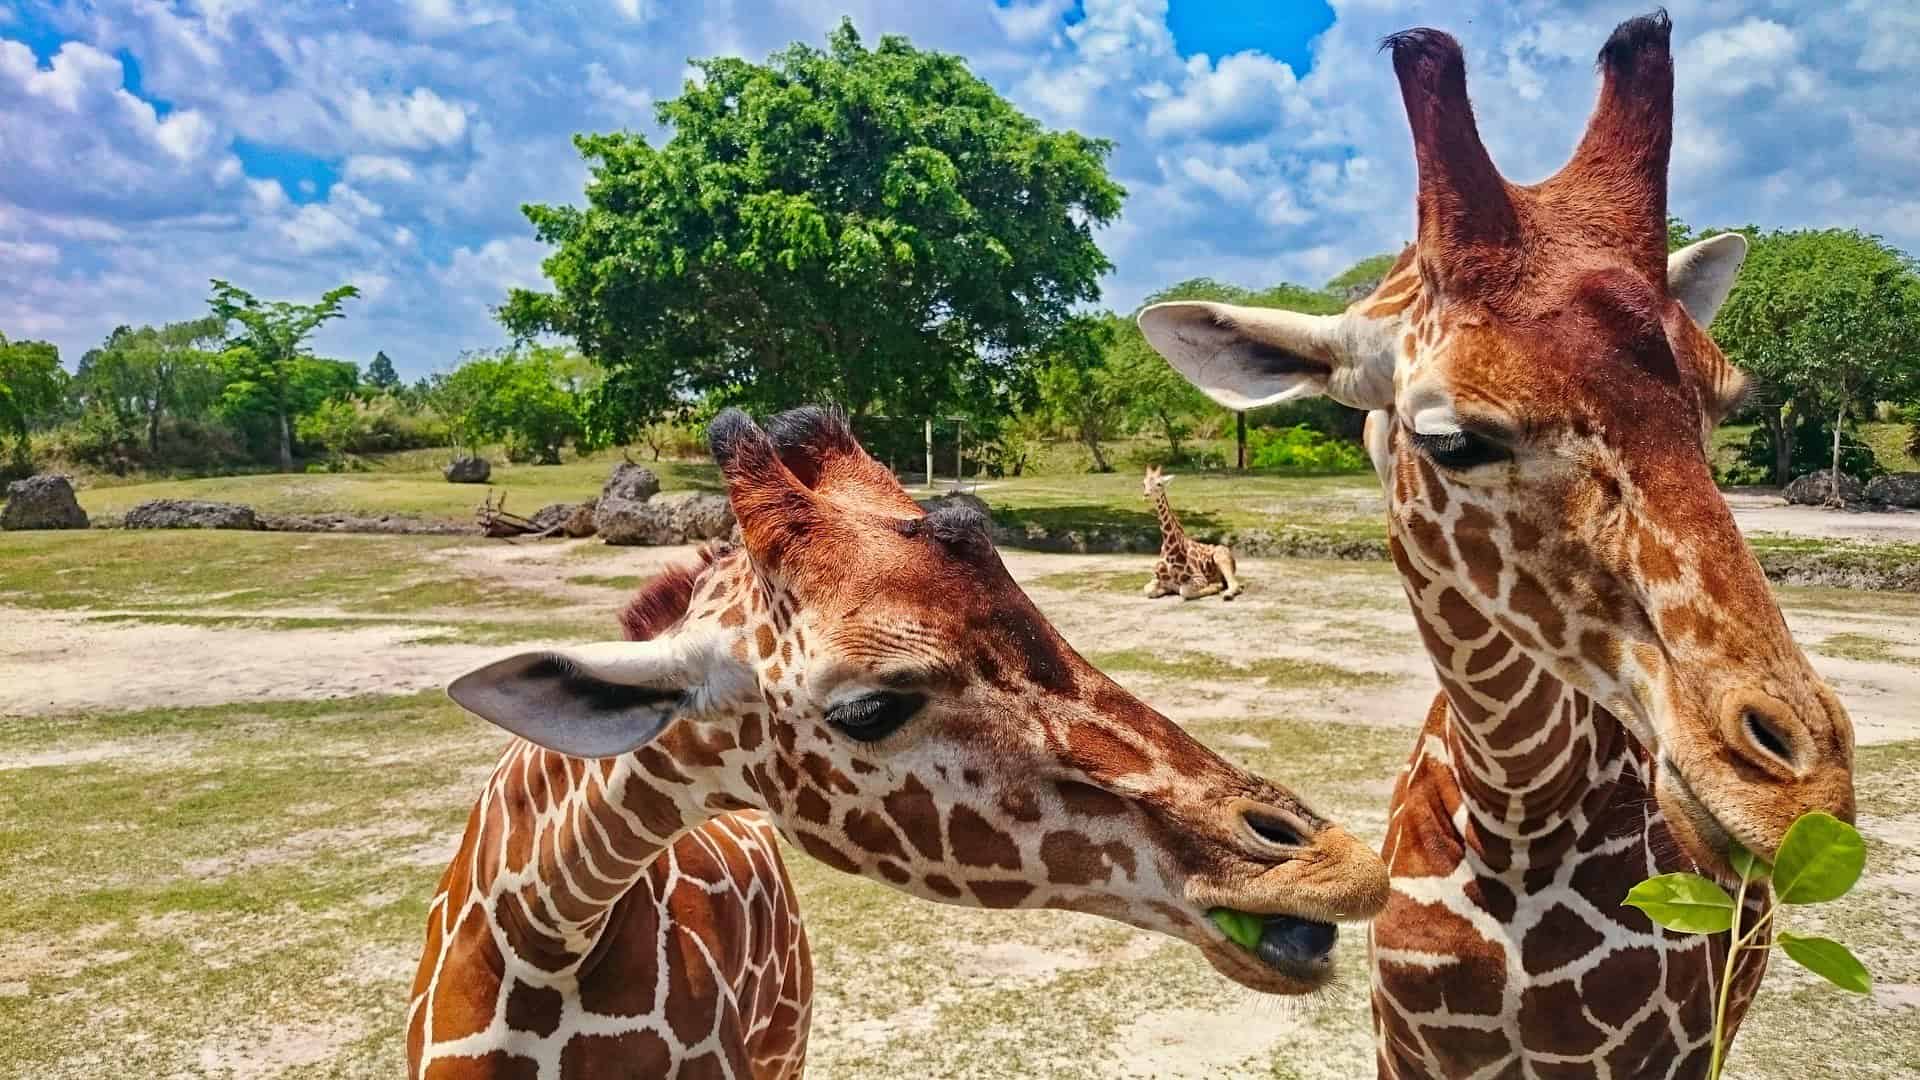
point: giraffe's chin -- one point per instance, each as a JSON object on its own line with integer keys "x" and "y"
{"x": 1699, "y": 832}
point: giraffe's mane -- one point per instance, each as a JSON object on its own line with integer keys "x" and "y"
{"x": 662, "y": 601}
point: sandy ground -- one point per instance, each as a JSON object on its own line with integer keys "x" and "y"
{"x": 58, "y": 662}
{"x": 1769, "y": 513}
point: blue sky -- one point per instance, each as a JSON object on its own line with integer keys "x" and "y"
{"x": 290, "y": 145}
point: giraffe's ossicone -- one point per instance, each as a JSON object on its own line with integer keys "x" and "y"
{"x": 865, "y": 680}
{"x": 1620, "y": 696}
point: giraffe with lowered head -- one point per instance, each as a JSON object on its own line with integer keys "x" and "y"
{"x": 1620, "y": 696}
{"x": 867, "y": 681}
{"x": 1186, "y": 566}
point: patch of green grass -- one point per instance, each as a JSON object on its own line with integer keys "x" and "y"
{"x": 432, "y": 631}
{"x": 1865, "y": 647}
{"x": 159, "y": 569}
{"x": 608, "y": 581}
{"x": 1276, "y": 671}
{"x": 414, "y": 487}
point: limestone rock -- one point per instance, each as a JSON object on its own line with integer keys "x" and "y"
{"x": 1815, "y": 489}
{"x": 629, "y": 521}
{"x": 467, "y": 470}
{"x": 634, "y": 483}
{"x": 42, "y": 502}
{"x": 572, "y": 519}
{"x": 191, "y": 514}
{"x": 701, "y": 516}
{"x": 1896, "y": 489}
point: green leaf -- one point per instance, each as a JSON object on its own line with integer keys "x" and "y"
{"x": 1747, "y": 864}
{"x": 1819, "y": 860}
{"x": 1828, "y": 959}
{"x": 1243, "y": 929}
{"x": 1687, "y": 903}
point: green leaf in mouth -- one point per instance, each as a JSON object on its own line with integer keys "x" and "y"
{"x": 1241, "y": 928}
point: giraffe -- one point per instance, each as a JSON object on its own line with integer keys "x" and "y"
{"x": 1619, "y": 694}
{"x": 1187, "y": 567}
{"x": 866, "y": 680}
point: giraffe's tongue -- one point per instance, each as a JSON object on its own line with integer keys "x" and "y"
{"x": 1280, "y": 941}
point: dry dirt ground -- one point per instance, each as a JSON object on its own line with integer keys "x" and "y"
{"x": 219, "y": 830}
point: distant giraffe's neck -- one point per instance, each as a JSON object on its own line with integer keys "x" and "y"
{"x": 1173, "y": 539}
{"x": 564, "y": 839}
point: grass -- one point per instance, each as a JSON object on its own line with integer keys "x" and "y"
{"x": 402, "y": 484}
{"x": 1866, "y": 647}
{"x": 441, "y": 631}
{"x": 161, "y": 569}
{"x": 1205, "y": 667}
{"x": 270, "y": 865}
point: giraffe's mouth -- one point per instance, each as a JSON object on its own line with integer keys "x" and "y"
{"x": 1298, "y": 948}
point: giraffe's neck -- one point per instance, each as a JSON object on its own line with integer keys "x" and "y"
{"x": 564, "y": 839}
{"x": 1173, "y": 539}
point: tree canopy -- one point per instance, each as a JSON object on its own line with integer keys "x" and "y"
{"x": 877, "y": 227}
{"x": 31, "y": 384}
{"x": 270, "y": 341}
{"x": 140, "y": 375}
{"x": 380, "y": 373}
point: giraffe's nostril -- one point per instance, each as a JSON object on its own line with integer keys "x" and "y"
{"x": 1273, "y": 830}
{"x": 1766, "y": 734}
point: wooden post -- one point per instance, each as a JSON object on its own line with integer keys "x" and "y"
{"x": 1240, "y": 437}
{"x": 929, "y": 453}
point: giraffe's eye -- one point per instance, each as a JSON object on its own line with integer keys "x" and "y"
{"x": 875, "y": 716}
{"x": 1459, "y": 449}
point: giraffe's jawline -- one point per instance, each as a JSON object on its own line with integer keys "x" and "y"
{"x": 1297, "y": 947}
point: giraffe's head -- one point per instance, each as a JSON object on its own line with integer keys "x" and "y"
{"x": 1542, "y": 390}
{"x": 1155, "y": 480}
{"x": 870, "y": 675}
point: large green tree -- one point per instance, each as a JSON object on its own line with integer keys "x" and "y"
{"x": 875, "y": 227}
{"x": 1828, "y": 320}
{"x": 380, "y": 373}
{"x": 529, "y": 398}
{"x": 139, "y": 376}
{"x": 32, "y": 383}
{"x": 269, "y": 343}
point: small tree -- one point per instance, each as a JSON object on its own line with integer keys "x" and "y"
{"x": 334, "y": 425}
{"x": 271, "y": 339}
{"x": 380, "y": 373}
{"x": 528, "y": 398}
{"x": 32, "y": 384}
{"x": 1826, "y": 320}
{"x": 142, "y": 375}
{"x": 1079, "y": 392}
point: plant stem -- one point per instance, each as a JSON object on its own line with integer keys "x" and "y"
{"x": 1735, "y": 942}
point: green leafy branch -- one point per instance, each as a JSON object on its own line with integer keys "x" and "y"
{"x": 1820, "y": 860}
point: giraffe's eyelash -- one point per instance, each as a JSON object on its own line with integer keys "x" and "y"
{"x": 872, "y": 717}
{"x": 1459, "y": 449}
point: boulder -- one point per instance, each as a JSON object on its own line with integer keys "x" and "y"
{"x": 700, "y": 516}
{"x": 467, "y": 470}
{"x": 634, "y": 483}
{"x": 571, "y": 519}
{"x": 1896, "y": 489}
{"x": 956, "y": 498}
{"x": 629, "y": 521}
{"x": 684, "y": 517}
{"x": 1816, "y": 488}
{"x": 42, "y": 502}
{"x": 191, "y": 514}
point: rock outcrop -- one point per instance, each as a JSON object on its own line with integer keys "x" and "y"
{"x": 42, "y": 502}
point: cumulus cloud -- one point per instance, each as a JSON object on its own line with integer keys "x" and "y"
{"x": 293, "y": 147}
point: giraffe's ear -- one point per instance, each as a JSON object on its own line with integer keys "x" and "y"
{"x": 1701, "y": 274}
{"x": 1246, "y": 357}
{"x": 597, "y": 701}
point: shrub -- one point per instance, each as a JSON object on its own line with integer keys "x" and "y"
{"x": 1302, "y": 449}
{"x": 1810, "y": 450}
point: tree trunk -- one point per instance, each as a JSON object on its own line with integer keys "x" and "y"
{"x": 1782, "y": 449}
{"x": 1240, "y": 440}
{"x": 1093, "y": 444}
{"x": 153, "y": 430}
{"x": 1833, "y": 478}
{"x": 286, "y": 443}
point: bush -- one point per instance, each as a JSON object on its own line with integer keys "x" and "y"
{"x": 1190, "y": 457}
{"x": 388, "y": 424}
{"x": 1302, "y": 449}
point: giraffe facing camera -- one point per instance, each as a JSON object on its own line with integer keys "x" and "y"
{"x": 867, "y": 681}
{"x": 1620, "y": 696}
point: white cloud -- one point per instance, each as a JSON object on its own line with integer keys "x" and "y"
{"x": 23, "y": 253}
{"x": 419, "y": 120}
{"x": 620, "y": 97}
{"x": 1735, "y": 59}
{"x": 511, "y": 262}
{"x": 377, "y": 168}
{"x": 1245, "y": 93}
